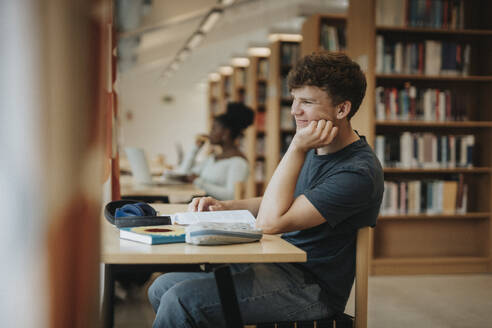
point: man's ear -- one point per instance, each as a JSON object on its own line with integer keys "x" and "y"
{"x": 343, "y": 109}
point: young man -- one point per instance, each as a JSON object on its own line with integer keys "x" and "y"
{"x": 327, "y": 186}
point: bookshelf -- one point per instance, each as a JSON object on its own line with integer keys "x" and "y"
{"x": 280, "y": 127}
{"x": 239, "y": 74}
{"x": 225, "y": 87}
{"x": 323, "y": 32}
{"x": 392, "y": 51}
{"x": 257, "y": 83}
{"x": 213, "y": 98}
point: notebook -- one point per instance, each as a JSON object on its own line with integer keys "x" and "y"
{"x": 140, "y": 168}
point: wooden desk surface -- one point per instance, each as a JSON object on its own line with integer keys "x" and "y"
{"x": 119, "y": 251}
{"x": 128, "y": 187}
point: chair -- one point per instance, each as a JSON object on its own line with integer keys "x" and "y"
{"x": 361, "y": 277}
{"x": 361, "y": 294}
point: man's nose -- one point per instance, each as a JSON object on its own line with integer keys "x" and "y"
{"x": 295, "y": 108}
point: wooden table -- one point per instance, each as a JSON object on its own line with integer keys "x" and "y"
{"x": 117, "y": 251}
{"x": 174, "y": 192}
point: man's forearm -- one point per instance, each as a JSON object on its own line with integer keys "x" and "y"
{"x": 251, "y": 204}
{"x": 279, "y": 194}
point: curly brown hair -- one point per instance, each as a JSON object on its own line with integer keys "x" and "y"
{"x": 335, "y": 73}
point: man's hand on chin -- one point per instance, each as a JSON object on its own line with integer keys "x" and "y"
{"x": 316, "y": 135}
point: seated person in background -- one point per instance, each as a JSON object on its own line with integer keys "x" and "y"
{"x": 218, "y": 174}
{"x": 328, "y": 184}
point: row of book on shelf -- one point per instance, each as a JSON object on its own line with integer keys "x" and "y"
{"x": 214, "y": 89}
{"x": 262, "y": 92}
{"x": 260, "y": 171}
{"x": 290, "y": 53}
{"x": 260, "y": 146}
{"x": 285, "y": 141}
{"x": 262, "y": 68}
{"x": 429, "y": 57}
{"x": 240, "y": 77}
{"x": 425, "y": 197}
{"x": 260, "y": 121}
{"x": 285, "y": 92}
{"x": 425, "y": 150}
{"x": 287, "y": 122}
{"x": 445, "y": 14}
{"x": 332, "y": 38}
{"x": 412, "y": 103}
{"x": 227, "y": 85}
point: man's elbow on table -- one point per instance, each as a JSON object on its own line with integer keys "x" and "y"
{"x": 272, "y": 226}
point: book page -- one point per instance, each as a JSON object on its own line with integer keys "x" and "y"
{"x": 238, "y": 216}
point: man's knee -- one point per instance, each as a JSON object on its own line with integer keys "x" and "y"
{"x": 173, "y": 312}
{"x": 189, "y": 304}
{"x": 158, "y": 288}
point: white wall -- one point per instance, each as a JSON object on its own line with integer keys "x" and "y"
{"x": 157, "y": 126}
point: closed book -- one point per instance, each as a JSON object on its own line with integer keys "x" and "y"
{"x": 449, "y": 193}
{"x": 152, "y": 235}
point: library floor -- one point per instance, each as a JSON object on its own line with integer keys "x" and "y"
{"x": 444, "y": 301}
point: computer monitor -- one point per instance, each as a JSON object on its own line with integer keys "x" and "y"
{"x": 139, "y": 165}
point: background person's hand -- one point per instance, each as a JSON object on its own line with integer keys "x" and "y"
{"x": 203, "y": 204}
{"x": 200, "y": 140}
{"x": 317, "y": 134}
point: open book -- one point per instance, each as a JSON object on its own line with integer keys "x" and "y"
{"x": 237, "y": 216}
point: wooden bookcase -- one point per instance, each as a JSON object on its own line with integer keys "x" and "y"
{"x": 213, "y": 99}
{"x": 284, "y": 54}
{"x": 225, "y": 91}
{"x": 239, "y": 82}
{"x": 316, "y": 33}
{"x": 438, "y": 243}
{"x": 257, "y": 82}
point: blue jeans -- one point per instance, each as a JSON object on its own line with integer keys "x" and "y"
{"x": 266, "y": 292}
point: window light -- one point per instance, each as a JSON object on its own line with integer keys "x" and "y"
{"x": 259, "y": 51}
{"x": 210, "y": 20}
{"x": 285, "y": 37}
{"x": 240, "y": 62}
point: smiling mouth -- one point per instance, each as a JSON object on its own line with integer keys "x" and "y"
{"x": 302, "y": 122}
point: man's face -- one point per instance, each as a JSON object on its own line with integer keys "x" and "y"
{"x": 311, "y": 104}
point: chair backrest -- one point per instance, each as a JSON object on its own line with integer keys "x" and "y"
{"x": 361, "y": 284}
{"x": 361, "y": 277}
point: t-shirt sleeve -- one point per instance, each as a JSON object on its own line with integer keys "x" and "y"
{"x": 341, "y": 196}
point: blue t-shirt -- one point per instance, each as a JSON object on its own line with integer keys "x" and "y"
{"x": 346, "y": 187}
